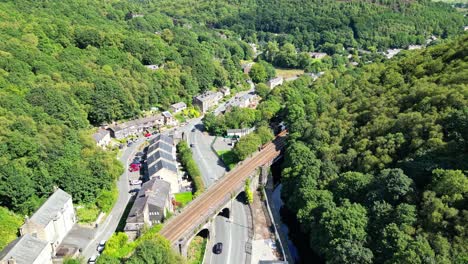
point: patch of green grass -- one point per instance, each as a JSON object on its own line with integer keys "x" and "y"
{"x": 183, "y": 198}
{"x": 229, "y": 158}
{"x": 10, "y": 223}
{"x": 196, "y": 250}
{"x": 181, "y": 118}
{"x": 87, "y": 213}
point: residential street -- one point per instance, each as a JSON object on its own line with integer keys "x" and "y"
{"x": 106, "y": 229}
{"x": 233, "y": 233}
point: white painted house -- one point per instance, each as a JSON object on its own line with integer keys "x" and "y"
{"x": 53, "y": 220}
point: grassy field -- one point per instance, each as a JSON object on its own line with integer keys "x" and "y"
{"x": 287, "y": 73}
{"x": 196, "y": 250}
{"x": 183, "y": 198}
{"x": 229, "y": 158}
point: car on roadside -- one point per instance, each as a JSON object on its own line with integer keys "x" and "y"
{"x": 134, "y": 167}
{"x": 133, "y": 191}
{"x": 129, "y": 144}
{"x": 136, "y": 182}
{"x": 101, "y": 246}
{"x": 192, "y": 145}
{"x": 92, "y": 259}
{"x": 218, "y": 248}
{"x": 193, "y": 130}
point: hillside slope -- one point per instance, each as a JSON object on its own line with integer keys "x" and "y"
{"x": 375, "y": 170}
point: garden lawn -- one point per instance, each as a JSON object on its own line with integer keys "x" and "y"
{"x": 229, "y": 158}
{"x": 184, "y": 198}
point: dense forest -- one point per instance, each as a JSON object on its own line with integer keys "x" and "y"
{"x": 68, "y": 65}
{"x": 320, "y": 24}
{"x": 375, "y": 168}
{"x": 378, "y": 151}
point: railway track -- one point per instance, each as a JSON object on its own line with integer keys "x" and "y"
{"x": 201, "y": 208}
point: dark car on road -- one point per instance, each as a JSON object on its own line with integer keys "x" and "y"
{"x": 218, "y": 248}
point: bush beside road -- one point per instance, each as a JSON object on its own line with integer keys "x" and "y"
{"x": 185, "y": 156}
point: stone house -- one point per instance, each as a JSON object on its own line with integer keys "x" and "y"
{"x": 27, "y": 249}
{"x": 102, "y": 138}
{"x": 178, "y": 107}
{"x": 53, "y": 220}
{"x": 207, "y": 100}
{"x": 133, "y": 127}
{"x": 272, "y": 83}
{"x": 151, "y": 205}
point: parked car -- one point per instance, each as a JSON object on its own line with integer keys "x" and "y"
{"x": 192, "y": 145}
{"x": 135, "y": 182}
{"x": 129, "y": 144}
{"x": 101, "y": 246}
{"x": 134, "y": 167}
{"x": 218, "y": 248}
{"x": 92, "y": 259}
{"x": 148, "y": 135}
{"x": 193, "y": 130}
{"x": 139, "y": 154}
{"x": 133, "y": 191}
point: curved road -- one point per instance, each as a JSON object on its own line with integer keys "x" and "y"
{"x": 106, "y": 229}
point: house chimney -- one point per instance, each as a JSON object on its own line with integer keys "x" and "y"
{"x": 11, "y": 260}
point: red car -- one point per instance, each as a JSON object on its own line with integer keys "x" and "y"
{"x": 148, "y": 135}
{"x": 134, "y": 167}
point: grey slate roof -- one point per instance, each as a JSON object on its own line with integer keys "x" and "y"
{"x": 159, "y": 155}
{"x": 163, "y": 138}
{"x": 161, "y": 164}
{"x": 24, "y": 250}
{"x": 51, "y": 207}
{"x": 160, "y": 145}
{"x": 154, "y": 192}
{"x": 167, "y": 114}
{"x": 98, "y": 136}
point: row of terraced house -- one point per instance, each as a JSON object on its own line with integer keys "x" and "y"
{"x": 154, "y": 199}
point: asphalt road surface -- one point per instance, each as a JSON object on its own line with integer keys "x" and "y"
{"x": 108, "y": 227}
{"x": 210, "y": 165}
{"x": 233, "y": 233}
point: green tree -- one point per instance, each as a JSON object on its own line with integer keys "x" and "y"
{"x": 262, "y": 90}
{"x": 258, "y": 73}
{"x": 157, "y": 251}
{"x": 246, "y": 146}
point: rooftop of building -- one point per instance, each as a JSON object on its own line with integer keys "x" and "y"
{"x": 24, "y": 250}
{"x": 154, "y": 192}
{"x": 51, "y": 208}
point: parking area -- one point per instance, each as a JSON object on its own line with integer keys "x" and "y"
{"x": 78, "y": 237}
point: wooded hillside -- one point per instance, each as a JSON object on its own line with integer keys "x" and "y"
{"x": 376, "y": 164}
